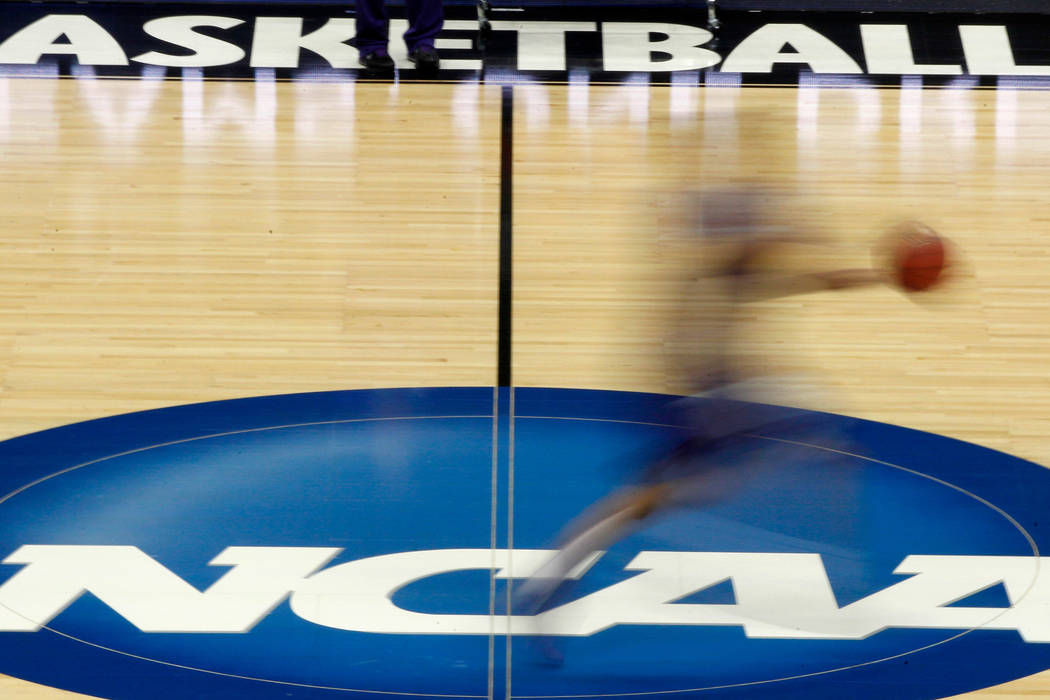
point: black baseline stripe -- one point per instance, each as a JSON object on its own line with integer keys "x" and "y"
{"x": 506, "y": 188}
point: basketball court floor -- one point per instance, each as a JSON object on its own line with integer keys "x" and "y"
{"x": 169, "y": 242}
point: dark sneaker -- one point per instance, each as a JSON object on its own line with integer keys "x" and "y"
{"x": 377, "y": 60}
{"x": 425, "y": 57}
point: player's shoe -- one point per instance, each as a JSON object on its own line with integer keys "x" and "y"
{"x": 425, "y": 57}
{"x": 378, "y": 60}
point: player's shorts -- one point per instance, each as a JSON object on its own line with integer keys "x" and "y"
{"x": 718, "y": 432}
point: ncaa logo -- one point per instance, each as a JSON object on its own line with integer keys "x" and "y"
{"x": 363, "y": 544}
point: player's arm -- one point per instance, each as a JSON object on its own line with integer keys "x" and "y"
{"x": 770, "y": 286}
{"x": 844, "y": 279}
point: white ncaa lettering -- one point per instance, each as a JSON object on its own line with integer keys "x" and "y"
{"x": 146, "y": 593}
{"x": 88, "y": 41}
{"x": 778, "y": 595}
{"x": 937, "y": 581}
{"x": 783, "y": 604}
{"x": 357, "y": 595}
{"x": 1024, "y": 578}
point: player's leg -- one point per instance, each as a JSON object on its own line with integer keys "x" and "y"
{"x": 425, "y": 19}
{"x": 372, "y": 26}
{"x": 597, "y": 529}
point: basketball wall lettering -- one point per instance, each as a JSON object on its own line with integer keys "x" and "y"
{"x": 750, "y": 45}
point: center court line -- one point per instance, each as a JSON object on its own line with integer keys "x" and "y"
{"x": 503, "y": 384}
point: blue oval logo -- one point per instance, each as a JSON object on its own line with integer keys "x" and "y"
{"x": 363, "y": 543}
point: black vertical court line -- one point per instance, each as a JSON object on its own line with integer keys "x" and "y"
{"x": 504, "y": 392}
{"x": 506, "y": 186}
{"x": 502, "y": 403}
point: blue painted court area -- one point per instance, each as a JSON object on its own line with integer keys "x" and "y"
{"x": 363, "y": 542}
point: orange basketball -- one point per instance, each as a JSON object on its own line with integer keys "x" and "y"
{"x": 921, "y": 258}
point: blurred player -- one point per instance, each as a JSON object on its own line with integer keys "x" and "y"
{"x": 714, "y": 454}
